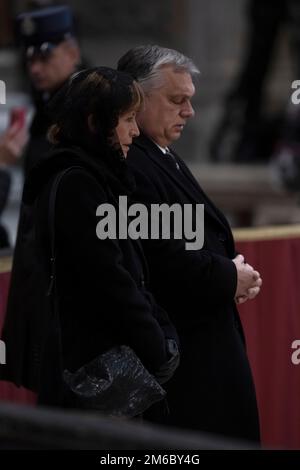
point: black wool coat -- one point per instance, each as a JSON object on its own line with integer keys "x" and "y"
{"x": 213, "y": 388}
{"x": 102, "y": 293}
{"x": 38, "y": 146}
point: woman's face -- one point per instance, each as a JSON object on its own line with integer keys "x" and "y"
{"x": 126, "y": 130}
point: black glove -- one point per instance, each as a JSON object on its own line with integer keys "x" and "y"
{"x": 166, "y": 371}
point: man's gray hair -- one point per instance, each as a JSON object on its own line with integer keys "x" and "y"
{"x": 145, "y": 62}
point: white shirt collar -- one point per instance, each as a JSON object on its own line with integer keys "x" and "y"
{"x": 163, "y": 149}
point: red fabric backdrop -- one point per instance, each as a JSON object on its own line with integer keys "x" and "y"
{"x": 8, "y": 391}
{"x": 272, "y": 323}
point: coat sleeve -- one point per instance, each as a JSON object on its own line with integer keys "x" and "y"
{"x": 108, "y": 287}
{"x": 200, "y": 273}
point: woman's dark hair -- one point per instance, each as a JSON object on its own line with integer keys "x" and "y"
{"x": 86, "y": 110}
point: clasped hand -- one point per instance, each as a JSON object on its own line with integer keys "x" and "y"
{"x": 249, "y": 281}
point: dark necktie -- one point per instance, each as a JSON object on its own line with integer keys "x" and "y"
{"x": 172, "y": 157}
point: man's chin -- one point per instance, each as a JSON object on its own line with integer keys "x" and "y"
{"x": 40, "y": 85}
{"x": 176, "y": 135}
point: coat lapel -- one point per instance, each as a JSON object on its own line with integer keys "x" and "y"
{"x": 211, "y": 208}
{"x": 192, "y": 190}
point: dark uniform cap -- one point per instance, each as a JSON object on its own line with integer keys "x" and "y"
{"x": 51, "y": 25}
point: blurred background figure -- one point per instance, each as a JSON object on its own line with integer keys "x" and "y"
{"x": 247, "y": 133}
{"x": 14, "y": 139}
{"x": 12, "y": 143}
{"x": 286, "y": 158}
{"x": 52, "y": 54}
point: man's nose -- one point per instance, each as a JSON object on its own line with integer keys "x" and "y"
{"x": 187, "y": 110}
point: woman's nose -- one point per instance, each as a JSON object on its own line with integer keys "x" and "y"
{"x": 135, "y": 131}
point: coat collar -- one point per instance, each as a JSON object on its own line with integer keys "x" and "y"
{"x": 118, "y": 177}
{"x": 161, "y": 160}
{"x": 193, "y": 190}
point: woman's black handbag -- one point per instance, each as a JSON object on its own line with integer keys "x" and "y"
{"x": 116, "y": 382}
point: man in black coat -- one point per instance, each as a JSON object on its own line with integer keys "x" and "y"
{"x": 213, "y": 389}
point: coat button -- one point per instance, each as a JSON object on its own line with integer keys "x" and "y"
{"x": 142, "y": 281}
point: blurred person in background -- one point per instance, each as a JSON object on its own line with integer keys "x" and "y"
{"x": 248, "y": 132}
{"x": 52, "y": 54}
{"x": 12, "y": 143}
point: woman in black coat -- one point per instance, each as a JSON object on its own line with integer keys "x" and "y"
{"x": 101, "y": 284}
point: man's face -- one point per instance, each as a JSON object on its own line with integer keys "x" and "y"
{"x": 47, "y": 74}
{"x": 168, "y": 108}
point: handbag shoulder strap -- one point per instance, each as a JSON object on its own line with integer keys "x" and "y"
{"x": 51, "y": 223}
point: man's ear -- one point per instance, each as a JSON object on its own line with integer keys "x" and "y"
{"x": 75, "y": 54}
{"x": 73, "y": 51}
